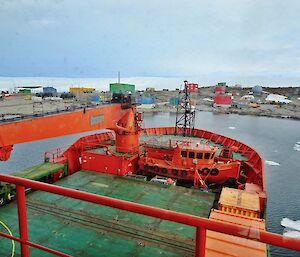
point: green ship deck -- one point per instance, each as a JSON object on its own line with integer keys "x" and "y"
{"x": 84, "y": 229}
{"x": 39, "y": 171}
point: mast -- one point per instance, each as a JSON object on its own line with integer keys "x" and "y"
{"x": 185, "y": 114}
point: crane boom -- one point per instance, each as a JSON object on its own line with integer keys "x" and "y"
{"x": 61, "y": 124}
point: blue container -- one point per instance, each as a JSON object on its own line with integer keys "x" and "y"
{"x": 148, "y": 100}
{"x": 174, "y": 101}
{"x": 145, "y": 100}
{"x": 138, "y": 100}
{"x": 95, "y": 98}
{"x": 49, "y": 90}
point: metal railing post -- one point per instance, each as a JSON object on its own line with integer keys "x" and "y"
{"x": 23, "y": 229}
{"x": 200, "y": 242}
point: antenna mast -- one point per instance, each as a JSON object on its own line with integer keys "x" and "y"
{"x": 185, "y": 115}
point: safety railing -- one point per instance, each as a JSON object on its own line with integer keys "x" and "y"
{"x": 201, "y": 224}
{"x": 54, "y": 154}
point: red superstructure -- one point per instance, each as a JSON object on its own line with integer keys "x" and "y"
{"x": 195, "y": 161}
{"x": 183, "y": 159}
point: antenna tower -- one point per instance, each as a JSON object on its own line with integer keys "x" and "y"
{"x": 185, "y": 115}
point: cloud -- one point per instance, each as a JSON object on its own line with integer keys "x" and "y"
{"x": 169, "y": 38}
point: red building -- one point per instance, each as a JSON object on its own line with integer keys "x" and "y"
{"x": 193, "y": 88}
{"x": 220, "y": 89}
{"x": 222, "y": 100}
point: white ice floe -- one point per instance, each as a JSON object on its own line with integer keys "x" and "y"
{"x": 292, "y": 233}
{"x": 271, "y": 163}
{"x": 297, "y": 146}
{"x": 232, "y": 127}
{"x": 291, "y": 224}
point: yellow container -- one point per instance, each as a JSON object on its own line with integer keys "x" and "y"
{"x": 239, "y": 202}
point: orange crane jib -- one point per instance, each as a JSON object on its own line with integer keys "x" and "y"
{"x": 56, "y": 125}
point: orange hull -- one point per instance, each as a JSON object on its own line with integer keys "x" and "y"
{"x": 218, "y": 173}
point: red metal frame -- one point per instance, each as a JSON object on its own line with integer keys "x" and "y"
{"x": 23, "y": 228}
{"x": 201, "y": 224}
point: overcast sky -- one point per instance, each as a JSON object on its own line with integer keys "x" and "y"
{"x": 69, "y": 38}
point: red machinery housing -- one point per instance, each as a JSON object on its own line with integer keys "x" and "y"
{"x": 127, "y": 132}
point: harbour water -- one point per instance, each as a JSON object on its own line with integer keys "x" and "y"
{"x": 277, "y": 140}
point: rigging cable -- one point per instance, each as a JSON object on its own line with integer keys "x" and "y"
{"x": 12, "y": 241}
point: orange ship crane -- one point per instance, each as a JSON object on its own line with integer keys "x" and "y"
{"x": 56, "y": 125}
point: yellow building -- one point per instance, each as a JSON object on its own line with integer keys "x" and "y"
{"x": 76, "y": 90}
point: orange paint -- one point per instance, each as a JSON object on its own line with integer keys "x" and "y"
{"x": 219, "y": 244}
{"x": 57, "y": 125}
{"x": 127, "y": 132}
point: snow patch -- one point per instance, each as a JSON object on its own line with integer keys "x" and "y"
{"x": 271, "y": 163}
{"x": 208, "y": 99}
{"x": 297, "y": 146}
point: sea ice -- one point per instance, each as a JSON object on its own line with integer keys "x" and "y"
{"x": 297, "y": 146}
{"x": 271, "y": 163}
{"x": 291, "y": 224}
{"x": 292, "y": 233}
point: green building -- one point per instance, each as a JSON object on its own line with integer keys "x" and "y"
{"x": 121, "y": 88}
{"x": 25, "y": 91}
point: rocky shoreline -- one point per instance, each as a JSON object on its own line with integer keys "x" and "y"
{"x": 263, "y": 109}
{"x": 203, "y": 101}
{"x": 259, "y": 113}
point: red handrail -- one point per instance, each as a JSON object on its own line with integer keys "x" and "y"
{"x": 201, "y": 224}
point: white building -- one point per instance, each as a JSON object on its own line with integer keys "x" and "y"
{"x": 273, "y": 98}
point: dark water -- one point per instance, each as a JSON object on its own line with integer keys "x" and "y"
{"x": 273, "y": 138}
